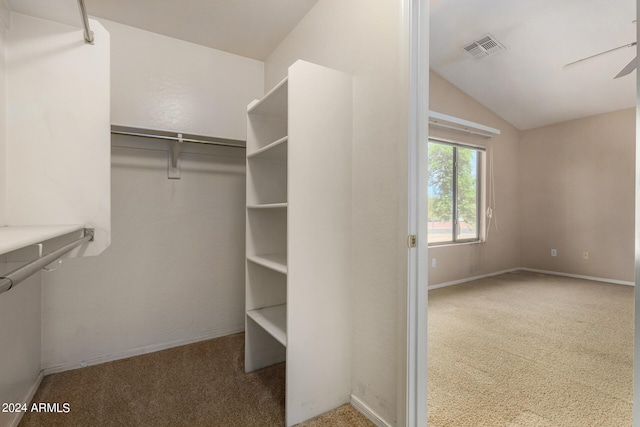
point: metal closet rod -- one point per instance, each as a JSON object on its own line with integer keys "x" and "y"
{"x": 88, "y": 34}
{"x": 176, "y": 137}
{"x": 10, "y": 280}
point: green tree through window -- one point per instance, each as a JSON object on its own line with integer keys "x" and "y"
{"x": 454, "y": 173}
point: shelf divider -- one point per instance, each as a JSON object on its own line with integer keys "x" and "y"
{"x": 276, "y": 262}
{"x": 274, "y": 150}
{"x": 268, "y": 206}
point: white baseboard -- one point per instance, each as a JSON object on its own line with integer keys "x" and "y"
{"x": 138, "y": 351}
{"x": 469, "y": 279}
{"x": 17, "y": 417}
{"x": 533, "y": 270}
{"x": 578, "y": 276}
{"x": 368, "y": 412}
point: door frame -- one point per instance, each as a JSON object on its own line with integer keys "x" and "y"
{"x": 416, "y": 25}
{"x": 636, "y": 333}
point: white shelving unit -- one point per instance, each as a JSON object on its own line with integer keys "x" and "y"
{"x": 299, "y": 237}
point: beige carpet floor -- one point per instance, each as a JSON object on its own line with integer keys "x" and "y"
{"x": 520, "y": 349}
{"x": 527, "y": 349}
{"x": 201, "y": 384}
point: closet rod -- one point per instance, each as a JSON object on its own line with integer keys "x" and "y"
{"x": 88, "y": 34}
{"x": 192, "y": 139}
{"x": 10, "y": 280}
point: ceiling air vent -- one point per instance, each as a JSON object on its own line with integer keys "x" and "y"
{"x": 484, "y": 46}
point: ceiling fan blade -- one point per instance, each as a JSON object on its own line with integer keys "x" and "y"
{"x": 599, "y": 54}
{"x": 629, "y": 68}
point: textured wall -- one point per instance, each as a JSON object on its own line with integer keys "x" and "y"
{"x": 175, "y": 272}
{"x": 58, "y": 127}
{"x": 501, "y": 251}
{"x": 577, "y": 194}
{"x": 362, "y": 38}
{"x": 567, "y": 187}
{"x": 163, "y": 83}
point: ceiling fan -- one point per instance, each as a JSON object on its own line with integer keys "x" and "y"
{"x": 626, "y": 70}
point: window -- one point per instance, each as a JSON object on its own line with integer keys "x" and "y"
{"x": 454, "y": 192}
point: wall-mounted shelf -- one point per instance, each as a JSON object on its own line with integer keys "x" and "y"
{"x": 17, "y": 237}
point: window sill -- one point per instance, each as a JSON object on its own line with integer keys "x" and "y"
{"x": 446, "y": 245}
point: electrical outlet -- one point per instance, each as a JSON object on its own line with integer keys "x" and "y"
{"x": 585, "y": 255}
{"x": 554, "y": 252}
{"x": 433, "y": 262}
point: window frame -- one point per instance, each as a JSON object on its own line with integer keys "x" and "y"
{"x": 480, "y": 192}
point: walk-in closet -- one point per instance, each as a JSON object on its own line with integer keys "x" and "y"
{"x": 203, "y": 206}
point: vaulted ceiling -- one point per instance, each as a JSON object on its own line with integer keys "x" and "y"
{"x": 250, "y": 28}
{"x": 526, "y": 83}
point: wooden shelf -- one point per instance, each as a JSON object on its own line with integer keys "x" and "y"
{"x": 277, "y": 150}
{"x": 275, "y": 262}
{"x": 268, "y": 206}
{"x": 273, "y": 320}
{"x": 18, "y": 237}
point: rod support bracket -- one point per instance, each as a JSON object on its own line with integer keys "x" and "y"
{"x": 173, "y": 171}
{"x": 90, "y": 232}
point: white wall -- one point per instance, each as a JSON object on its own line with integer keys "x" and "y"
{"x": 362, "y": 38}
{"x": 501, "y": 250}
{"x": 53, "y": 117}
{"x": 175, "y": 270}
{"x": 168, "y": 84}
{"x": 20, "y": 308}
{"x": 4, "y": 15}
{"x": 20, "y": 338}
{"x": 58, "y": 127}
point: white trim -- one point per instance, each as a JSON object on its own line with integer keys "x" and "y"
{"x": 412, "y": 401}
{"x": 17, "y": 417}
{"x": 459, "y": 144}
{"x": 470, "y": 279}
{"x": 138, "y": 351}
{"x": 579, "y": 276}
{"x": 533, "y": 270}
{"x": 368, "y": 412}
{"x": 455, "y": 123}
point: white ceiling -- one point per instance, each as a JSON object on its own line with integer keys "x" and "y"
{"x": 250, "y": 28}
{"x": 525, "y": 84}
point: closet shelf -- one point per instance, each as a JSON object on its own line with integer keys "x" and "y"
{"x": 17, "y": 237}
{"x": 277, "y": 150}
{"x": 273, "y": 320}
{"x": 273, "y": 103}
{"x": 268, "y": 206}
{"x": 275, "y": 262}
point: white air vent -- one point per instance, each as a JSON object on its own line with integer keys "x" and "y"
{"x": 484, "y": 46}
